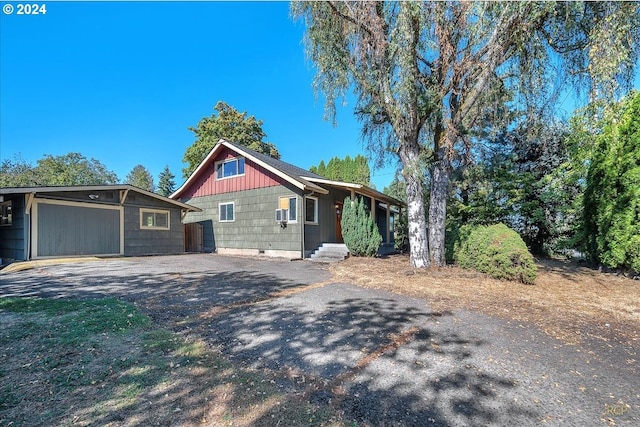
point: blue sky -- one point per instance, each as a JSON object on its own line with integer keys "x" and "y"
{"x": 122, "y": 81}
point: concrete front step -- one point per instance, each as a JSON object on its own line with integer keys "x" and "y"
{"x": 330, "y": 252}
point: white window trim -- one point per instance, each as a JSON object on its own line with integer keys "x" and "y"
{"x": 289, "y": 220}
{"x": 2, "y": 205}
{"x": 234, "y": 211}
{"x": 315, "y": 213}
{"x": 222, "y": 162}
{"x": 155, "y": 227}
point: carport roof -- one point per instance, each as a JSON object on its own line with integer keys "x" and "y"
{"x": 116, "y": 187}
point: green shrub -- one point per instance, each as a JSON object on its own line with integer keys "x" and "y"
{"x": 495, "y": 250}
{"x": 612, "y": 195}
{"x": 401, "y": 232}
{"x": 359, "y": 230}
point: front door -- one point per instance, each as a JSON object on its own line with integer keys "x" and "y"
{"x": 339, "y": 206}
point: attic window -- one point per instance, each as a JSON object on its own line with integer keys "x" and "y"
{"x": 230, "y": 168}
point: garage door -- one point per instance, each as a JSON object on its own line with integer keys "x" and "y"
{"x": 64, "y": 230}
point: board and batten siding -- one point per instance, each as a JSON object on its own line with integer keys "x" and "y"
{"x": 254, "y": 177}
{"x": 254, "y": 227}
{"x": 142, "y": 241}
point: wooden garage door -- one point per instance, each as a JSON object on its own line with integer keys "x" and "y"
{"x": 77, "y": 230}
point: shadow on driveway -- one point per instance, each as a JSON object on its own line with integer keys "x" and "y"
{"x": 382, "y": 359}
{"x": 379, "y": 358}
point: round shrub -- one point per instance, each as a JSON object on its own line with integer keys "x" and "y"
{"x": 495, "y": 250}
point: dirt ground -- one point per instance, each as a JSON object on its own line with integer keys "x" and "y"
{"x": 568, "y": 300}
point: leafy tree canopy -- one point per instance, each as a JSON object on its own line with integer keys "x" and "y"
{"x": 430, "y": 76}
{"x": 355, "y": 170}
{"x": 166, "y": 182}
{"x": 16, "y": 172}
{"x": 519, "y": 178}
{"x": 65, "y": 170}
{"x": 140, "y": 177}
{"x": 229, "y": 124}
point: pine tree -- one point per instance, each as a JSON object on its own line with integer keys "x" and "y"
{"x": 140, "y": 177}
{"x": 166, "y": 183}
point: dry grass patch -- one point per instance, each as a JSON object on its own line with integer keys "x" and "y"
{"x": 568, "y": 301}
{"x": 101, "y": 362}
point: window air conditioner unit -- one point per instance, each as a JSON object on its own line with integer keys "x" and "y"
{"x": 282, "y": 215}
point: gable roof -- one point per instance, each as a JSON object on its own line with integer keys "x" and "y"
{"x": 301, "y": 178}
{"x": 286, "y": 171}
{"x": 106, "y": 187}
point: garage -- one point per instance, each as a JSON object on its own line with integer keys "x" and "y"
{"x": 88, "y": 220}
{"x": 66, "y": 228}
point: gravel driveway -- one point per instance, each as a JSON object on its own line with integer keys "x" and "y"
{"x": 384, "y": 359}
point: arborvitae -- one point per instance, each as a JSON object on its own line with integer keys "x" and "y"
{"x": 359, "y": 230}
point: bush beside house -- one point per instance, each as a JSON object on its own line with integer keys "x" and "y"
{"x": 495, "y": 250}
{"x": 359, "y": 230}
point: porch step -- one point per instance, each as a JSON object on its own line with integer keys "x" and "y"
{"x": 330, "y": 252}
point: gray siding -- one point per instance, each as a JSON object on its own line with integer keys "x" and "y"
{"x": 325, "y": 231}
{"x": 139, "y": 241}
{"x": 104, "y": 196}
{"x": 77, "y": 230}
{"x": 254, "y": 226}
{"x": 14, "y": 237}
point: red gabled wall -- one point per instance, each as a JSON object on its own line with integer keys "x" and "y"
{"x": 255, "y": 176}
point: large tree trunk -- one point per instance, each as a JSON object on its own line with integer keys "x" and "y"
{"x": 417, "y": 224}
{"x": 440, "y": 176}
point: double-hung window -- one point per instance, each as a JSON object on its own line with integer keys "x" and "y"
{"x": 227, "y": 212}
{"x": 290, "y": 203}
{"x": 230, "y": 168}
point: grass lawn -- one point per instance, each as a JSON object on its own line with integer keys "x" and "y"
{"x": 101, "y": 362}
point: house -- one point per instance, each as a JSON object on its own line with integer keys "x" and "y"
{"x": 39, "y": 222}
{"x": 253, "y": 204}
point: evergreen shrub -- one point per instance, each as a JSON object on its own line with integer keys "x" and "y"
{"x": 359, "y": 230}
{"x": 401, "y": 232}
{"x": 495, "y": 250}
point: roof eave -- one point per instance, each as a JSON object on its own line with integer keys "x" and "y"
{"x": 360, "y": 188}
{"x": 115, "y": 187}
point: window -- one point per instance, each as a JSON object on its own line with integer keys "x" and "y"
{"x": 230, "y": 168}
{"x": 290, "y": 204}
{"x": 6, "y": 212}
{"x": 311, "y": 210}
{"x": 153, "y": 219}
{"x": 226, "y": 211}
